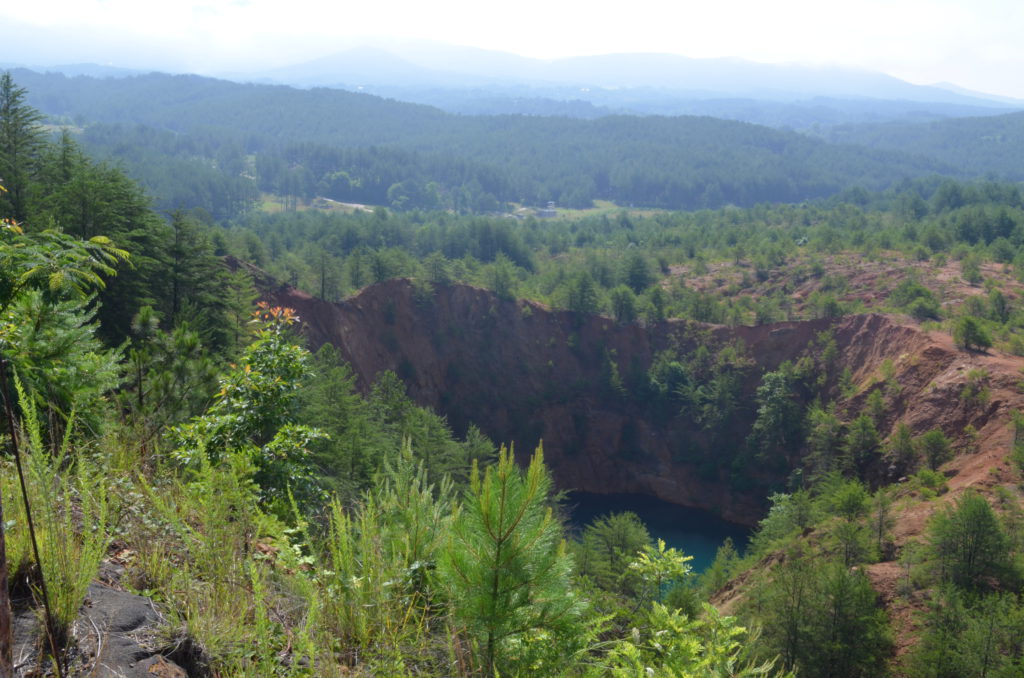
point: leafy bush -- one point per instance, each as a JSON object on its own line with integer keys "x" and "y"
{"x": 254, "y": 412}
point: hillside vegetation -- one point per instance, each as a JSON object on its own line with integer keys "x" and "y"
{"x": 198, "y": 142}
{"x": 358, "y": 510}
{"x": 989, "y": 144}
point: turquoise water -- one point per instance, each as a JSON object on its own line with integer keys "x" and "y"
{"x": 696, "y": 533}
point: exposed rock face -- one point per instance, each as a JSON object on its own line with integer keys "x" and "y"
{"x": 524, "y": 373}
{"x": 115, "y": 637}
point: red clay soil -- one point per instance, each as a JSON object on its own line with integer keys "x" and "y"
{"x": 853, "y": 278}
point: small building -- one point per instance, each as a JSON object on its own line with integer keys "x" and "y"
{"x": 548, "y": 212}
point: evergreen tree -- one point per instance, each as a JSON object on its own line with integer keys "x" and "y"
{"x": 969, "y": 543}
{"x": 901, "y": 447}
{"x": 935, "y": 447}
{"x": 21, "y": 141}
{"x": 969, "y": 334}
{"x": 822, "y": 619}
{"x": 194, "y": 284}
{"x": 776, "y": 432}
{"x": 582, "y": 296}
{"x": 623, "y": 304}
{"x": 607, "y": 547}
{"x": 508, "y": 571}
{"x": 824, "y": 440}
{"x": 170, "y": 377}
{"x": 637, "y": 274}
{"x": 861, "y": 441}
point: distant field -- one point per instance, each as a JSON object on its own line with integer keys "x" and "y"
{"x": 273, "y": 204}
{"x": 600, "y": 207}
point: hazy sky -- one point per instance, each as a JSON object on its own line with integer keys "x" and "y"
{"x": 977, "y": 44}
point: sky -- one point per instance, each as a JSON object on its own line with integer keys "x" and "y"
{"x": 975, "y": 44}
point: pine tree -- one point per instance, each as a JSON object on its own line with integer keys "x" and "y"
{"x": 21, "y": 140}
{"x": 507, "y": 568}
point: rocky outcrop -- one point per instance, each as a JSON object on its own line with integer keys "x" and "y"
{"x": 115, "y": 636}
{"x": 525, "y": 373}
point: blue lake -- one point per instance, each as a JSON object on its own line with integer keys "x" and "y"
{"x": 696, "y": 533}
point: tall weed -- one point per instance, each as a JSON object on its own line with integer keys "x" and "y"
{"x": 375, "y": 568}
{"x": 67, "y": 492}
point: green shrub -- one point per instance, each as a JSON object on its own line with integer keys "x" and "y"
{"x": 968, "y": 333}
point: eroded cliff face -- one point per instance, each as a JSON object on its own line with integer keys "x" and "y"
{"x": 524, "y": 374}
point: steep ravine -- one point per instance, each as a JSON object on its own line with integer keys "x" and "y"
{"x": 525, "y": 373}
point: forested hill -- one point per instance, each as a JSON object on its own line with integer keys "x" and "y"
{"x": 978, "y": 145}
{"x": 359, "y": 148}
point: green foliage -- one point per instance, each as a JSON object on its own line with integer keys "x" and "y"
{"x": 21, "y": 140}
{"x": 882, "y": 520}
{"x": 582, "y": 295}
{"x": 195, "y": 286}
{"x": 396, "y": 576}
{"x": 210, "y": 526}
{"x": 847, "y": 499}
{"x": 501, "y": 277}
{"x": 508, "y": 572}
{"x": 930, "y": 482}
{"x": 901, "y": 447}
{"x": 374, "y": 574}
{"x": 967, "y": 636}
{"x": 915, "y": 299}
{"x": 46, "y": 330}
{"x": 968, "y": 333}
{"x": 777, "y": 431}
{"x": 659, "y": 569}
{"x": 637, "y": 273}
{"x": 169, "y": 378}
{"x": 1017, "y": 453}
{"x": 58, "y": 266}
{"x": 674, "y": 644}
{"x": 71, "y": 509}
{"x": 975, "y": 390}
{"x": 722, "y": 568}
{"x": 705, "y": 384}
{"x": 875, "y": 407}
{"x": 789, "y": 514}
{"x": 970, "y": 269}
{"x": 355, "y": 440}
{"x": 393, "y": 418}
{"x": 969, "y": 544}
{"x": 935, "y": 448}
{"x": 822, "y": 619}
{"x": 861, "y": 441}
{"x": 824, "y": 441}
{"x": 606, "y": 548}
{"x": 254, "y": 414}
{"x": 624, "y": 304}
{"x": 65, "y": 368}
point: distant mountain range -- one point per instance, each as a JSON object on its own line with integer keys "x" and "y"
{"x": 472, "y": 81}
{"x": 419, "y": 64}
{"x": 475, "y": 81}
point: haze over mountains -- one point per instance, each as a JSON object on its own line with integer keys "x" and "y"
{"x": 429, "y": 64}
{"x": 469, "y": 80}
